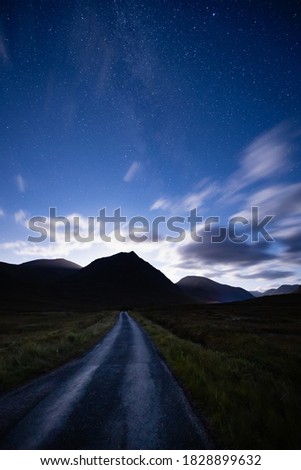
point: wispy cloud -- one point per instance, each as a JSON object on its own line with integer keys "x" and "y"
{"x": 267, "y": 274}
{"x": 226, "y": 253}
{"x": 161, "y": 203}
{"x": 258, "y": 181}
{"x": 21, "y": 184}
{"x": 132, "y": 172}
{"x": 191, "y": 200}
{"x": 2, "y": 213}
{"x": 20, "y": 217}
{"x": 265, "y": 158}
{"x": 38, "y": 250}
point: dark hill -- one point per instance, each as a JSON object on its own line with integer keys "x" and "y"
{"x": 125, "y": 279}
{"x": 57, "y": 263}
{"x": 279, "y": 303}
{"x": 205, "y": 290}
{"x": 119, "y": 281}
{"x": 40, "y": 270}
{"x": 33, "y": 285}
{"x": 45, "y": 270}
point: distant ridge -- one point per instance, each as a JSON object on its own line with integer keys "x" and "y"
{"x": 284, "y": 289}
{"x": 205, "y": 290}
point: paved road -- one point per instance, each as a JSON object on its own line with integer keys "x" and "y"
{"x": 118, "y": 396}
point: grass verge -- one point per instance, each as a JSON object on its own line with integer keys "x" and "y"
{"x": 241, "y": 370}
{"x": 33, "y": 343}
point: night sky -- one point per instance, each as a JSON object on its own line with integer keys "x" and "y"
{"x": 154, "y": 107}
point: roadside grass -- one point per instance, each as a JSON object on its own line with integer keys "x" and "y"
{"x": 241, "y": 370}
{"x": 33, "y": 343}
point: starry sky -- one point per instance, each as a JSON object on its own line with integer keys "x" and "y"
{"x": 156, "y": 108}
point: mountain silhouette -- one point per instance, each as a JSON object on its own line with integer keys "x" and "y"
{"x": 284, "y": 289}
{"x": 56, "y": 263}
{"x": 44, "y": 270}
{"x": 125, "y": 279}
{"x": 205, "y": 290}
{"x": 120, "y": 281}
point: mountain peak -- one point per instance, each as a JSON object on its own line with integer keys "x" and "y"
{"x": 126, "y": 254}
{"x": 127, "y": 277}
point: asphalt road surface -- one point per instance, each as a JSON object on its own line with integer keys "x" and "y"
{"x": 120, "y": 395}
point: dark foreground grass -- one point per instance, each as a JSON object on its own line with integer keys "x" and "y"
{"x": 240, "y": 365}
{"x": 32, "y": 343}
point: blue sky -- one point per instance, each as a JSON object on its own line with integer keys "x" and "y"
{"x": 156, "y": 108}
